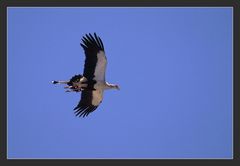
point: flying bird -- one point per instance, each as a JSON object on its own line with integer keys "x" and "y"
{"x": 92, "y": 83}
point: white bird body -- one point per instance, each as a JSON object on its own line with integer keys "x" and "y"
{"x": 80, "y": 85}
{"x": 98, "y": 93}
{"x": 92, "y": 83}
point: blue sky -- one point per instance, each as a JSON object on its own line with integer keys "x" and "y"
{"x": 173, "y": 65}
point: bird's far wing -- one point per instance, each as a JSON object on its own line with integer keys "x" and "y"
{"x": 100, "y": 67}
{"x": 90, "y": 100}
{"x": 95, "y": 62}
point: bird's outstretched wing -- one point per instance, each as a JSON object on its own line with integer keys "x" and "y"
{"x": 90, "y": 100}
{"x": 95, "y": 62}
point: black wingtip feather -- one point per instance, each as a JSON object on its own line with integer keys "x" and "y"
{"x": 92, "y": 42}
{"x": 84, "y": 111}
{"x": 88, "y": 38}
{"x": 97, "y": 40}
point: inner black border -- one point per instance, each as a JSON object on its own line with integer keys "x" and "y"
{"x": 118, "y": 3}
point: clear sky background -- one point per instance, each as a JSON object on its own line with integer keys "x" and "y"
{"x": 173, "y": 65}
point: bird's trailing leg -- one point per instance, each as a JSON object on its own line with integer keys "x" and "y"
{"x": 68, "y": 87}
{"x": 72, "y": 89}
{"x": 69, "y": 90}
{"x": 77, "y": 83}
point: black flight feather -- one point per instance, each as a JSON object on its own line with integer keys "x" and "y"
{"x": 91, "y": 45}
{"x": 85, "y": 106}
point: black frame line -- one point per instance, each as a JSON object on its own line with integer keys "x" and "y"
{"x": 120, "y": 3}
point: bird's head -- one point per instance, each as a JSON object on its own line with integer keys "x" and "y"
{"x": 112, "y": 86}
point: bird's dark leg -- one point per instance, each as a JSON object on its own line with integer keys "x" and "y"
{"x": 73, "y": 88}
{"x": 68, "y": 87}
